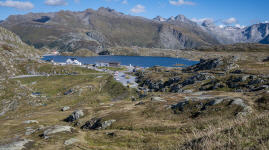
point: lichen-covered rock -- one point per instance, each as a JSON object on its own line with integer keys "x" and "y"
{"x": 74, "y": 116}
{"x": 56, "y": 129}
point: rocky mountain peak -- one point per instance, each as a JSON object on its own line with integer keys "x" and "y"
{"x": 103, "y": 9}
{"x": 172, "y": 18}
{"x": 181, "y": 18}
{"x": 159, "y": 18}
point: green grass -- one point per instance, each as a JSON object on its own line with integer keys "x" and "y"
{"x": 116, "y": 89}
{"x": 53, "y": 69}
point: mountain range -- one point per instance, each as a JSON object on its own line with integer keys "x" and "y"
{"x": 96, "y": 30}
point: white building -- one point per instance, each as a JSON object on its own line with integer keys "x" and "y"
{"x": 73, "y": 61}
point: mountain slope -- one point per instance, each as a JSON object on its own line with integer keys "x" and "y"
{"x": 97, "y": 30}
{"x": 265, "y": 40}
{"x": 13, "y": 53}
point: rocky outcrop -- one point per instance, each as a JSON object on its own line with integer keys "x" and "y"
{"x": 221, "y": 63}
{"x": 204, "y": 104}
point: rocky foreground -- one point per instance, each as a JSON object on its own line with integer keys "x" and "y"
{"x": 220, "y": 103}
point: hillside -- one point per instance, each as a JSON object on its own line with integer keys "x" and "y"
{"x": 97, "y": 30}
{"x": 13, "y": 53}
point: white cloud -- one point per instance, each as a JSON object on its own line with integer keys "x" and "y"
{"x": 138, "y": 9}
{"x": 17, "y": 4}
{"x": 221, "y": 26}
{"x": 266, "y": 21}
{"x": 201, "y": 20}
{"x": 240, "y": 26}
{"x": 76, "y": 1}
{"x": 55, "y": 2}
{"x": 181, "y": 2}
{"x": 124, "y": 2}
{"x": 229, "y": 21}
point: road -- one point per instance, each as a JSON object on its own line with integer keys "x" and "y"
{"x": 29, "y": 76}
{"x": 120, "y": 76}
{"x": 125, "y": 79}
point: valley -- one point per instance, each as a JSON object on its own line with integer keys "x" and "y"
{"x": 203, "y": 87}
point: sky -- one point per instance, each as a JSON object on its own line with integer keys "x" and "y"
{"x": 222, "y": 12}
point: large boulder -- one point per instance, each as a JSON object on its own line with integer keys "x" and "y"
{"x": 57, "y": 129}
{"x": 74, "y": 116}
{"x": 97, "y": 123}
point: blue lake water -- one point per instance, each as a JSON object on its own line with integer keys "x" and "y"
{"x": 141, "y": 61}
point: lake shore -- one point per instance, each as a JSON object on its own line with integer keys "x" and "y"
{"x": 194, "y": 55}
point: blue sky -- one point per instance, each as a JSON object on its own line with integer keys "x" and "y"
{"x": 222, "y": 12}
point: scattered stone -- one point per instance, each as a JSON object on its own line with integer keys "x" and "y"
{"x": 68, "y": 92}
{"x": 29, "y": 131}
{"x": 65, "y": 108}
{"x": 74, "y": 116}
{"x": 140, "y": 103}
{"x": 31, "y": 121}
{"x": 107, "y": 123}
{"x": 19, "y": 145}
{"x": 266, "y": 59}
{"x": 157, "y": 99}
{"x": 133, "y": 98}
{"x": 179, "y": 106}
{"x": 57, "y": 129}
{"x": 71, "y": 141}
{"x": 111, "y": 134}
{"x": 41, "y": 127}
